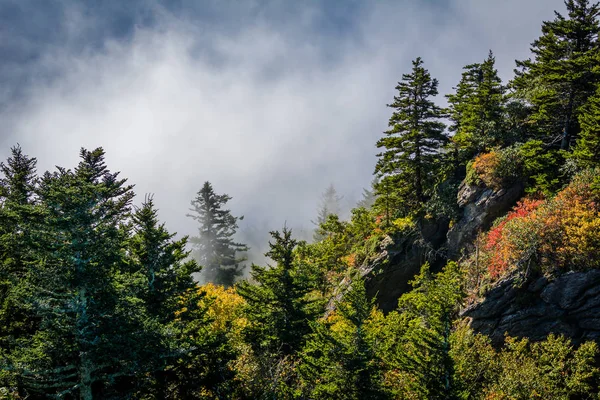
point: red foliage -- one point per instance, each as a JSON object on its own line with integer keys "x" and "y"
{"x": 495, "y": 242}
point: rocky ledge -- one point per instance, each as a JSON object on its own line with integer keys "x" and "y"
{"x": 568, "y": 304}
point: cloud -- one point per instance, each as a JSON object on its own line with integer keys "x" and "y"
{"x": 271, "y": 106}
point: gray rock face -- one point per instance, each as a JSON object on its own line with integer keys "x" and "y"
{"x": 388, "y": 276}
{"x": 569, "y": 305}
{"x": 480, "y": 207}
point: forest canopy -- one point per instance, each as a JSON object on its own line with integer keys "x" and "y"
{"x": 99, "y": 300}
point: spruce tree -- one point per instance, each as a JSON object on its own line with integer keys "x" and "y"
{"x": 587, "y": 150}
{"x": 416, "y": 337}
{"x": 91, "y": 332}
{"x": 368, "y": 196}
{"x": 476, "y": 109}
{"x": 18, "y": 213}
{"x": 278, "y": 307}
{"x": 163, "y": 261}
{"x": 215, "y": 249}
{"x": 279, "y": 311}
{"x": 408, "y": 166}
{"x": 563, "y": 74}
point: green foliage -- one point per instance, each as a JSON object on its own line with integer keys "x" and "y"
{"x": 339, "y": 359}
{"x": 540, "y": 167}
{"x": 477, "y": 109}
{"x": 408, "y": 165}
{"x": 563, "y": 73}
{"x": 550, "y": 369}
{"x": 416, "y": 338}
{"x": 161, "y": 260}
{"x": 587, "y": 150}
{"x": 214, "y": 247}
{"x": 279, "y": 311}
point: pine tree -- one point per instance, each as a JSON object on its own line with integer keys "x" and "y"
{"x": 587, "y": 150}
{"x": 563, "y": 74}
{"x": 340, "y": 362}
{"x": 412, "y": 144}
{"x": 91, "y": 330}
{"x": 476, "y": 109}
{"x": 329, "y": 205}
{"x": 214, "y": 246}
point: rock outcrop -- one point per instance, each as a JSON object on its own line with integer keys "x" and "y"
{"x": 387, "y": 276}
{"x": 480, "y": 206}
{"x": 568, "y": 304}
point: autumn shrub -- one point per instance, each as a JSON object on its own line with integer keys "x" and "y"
{"x": 496, "y": 168}
{"x": 559, "y": 234}
{"x": 512, "y": 238}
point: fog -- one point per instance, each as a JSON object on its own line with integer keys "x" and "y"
{"x": 269, "y": 103}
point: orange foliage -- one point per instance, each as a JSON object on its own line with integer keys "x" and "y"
{"x": 497, "y": 241}
{"x": 350, "y": 259}
{"x": 485, "y": 166}
{"x": 560, "y": 233}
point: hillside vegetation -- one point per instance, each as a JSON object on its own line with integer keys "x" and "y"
{"x": 98, "y": 300}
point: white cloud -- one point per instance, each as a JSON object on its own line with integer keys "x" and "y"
{"x": 264, "y": 113}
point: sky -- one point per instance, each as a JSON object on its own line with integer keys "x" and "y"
{"x": 271, "y": 101}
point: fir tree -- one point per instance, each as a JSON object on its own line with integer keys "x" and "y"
{"x": 587, "y": 150}
{"x": 476, "y": 109}
{"x": 563, "y": 73}
{"x": 412, "y": 144}
{"x": 416, "y": 342}
{"x": 214, "y": 246}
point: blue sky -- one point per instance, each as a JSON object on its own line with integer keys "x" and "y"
{"x": 269, "y": 100}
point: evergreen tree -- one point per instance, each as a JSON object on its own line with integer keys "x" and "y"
{"x": 416, "y": 337}
{"x": 340, "y": 362}
{"x": 329, "y": 205}
{"x": 476, "y": 109}
{"x": 215, "y": 248}
{"x": 587, "y": 150}
{"x": 279, "y": 311}
{"x": 162, "y": 261}
{"x": 91, "y": 330}
{"x": 278, "y": 307}
{"x": 18, "y": 213}
{"x": 563, "y": 74}
{"x": 412, "y": 144}
{"x": 368, "y": 196}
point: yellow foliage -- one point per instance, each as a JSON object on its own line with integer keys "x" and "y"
{"x": 404, "y": 223}
{"x": 225, "y": 307}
